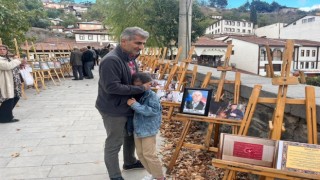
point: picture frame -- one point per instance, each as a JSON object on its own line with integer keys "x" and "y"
{"x": 226, "y": 110}
{"x": 44, "y": 65}
{"x": 51, "y": 64}
{"x": 248, "y": 150}
{"x": 57, "y": 64}
{"x": 36, "y": 65}
{"x": 170, "y": 96}
{"x": 196, "y": 101}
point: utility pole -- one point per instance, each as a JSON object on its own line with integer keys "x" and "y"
{"x": 185, "y": 17}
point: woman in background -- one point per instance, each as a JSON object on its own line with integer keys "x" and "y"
{"x": 10, "y": 85}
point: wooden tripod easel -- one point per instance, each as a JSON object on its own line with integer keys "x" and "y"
{"x": 276, "y": 125}
{"x": 213, "y": 122}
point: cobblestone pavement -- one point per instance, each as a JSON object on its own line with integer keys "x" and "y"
{"x": 60, "y": 135}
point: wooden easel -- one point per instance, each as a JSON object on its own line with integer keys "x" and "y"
{"x": 51, "y": 66}
{"x": 213, "y": 122}
{"x": 36, "y": 73}
{"x": 46, "y": 73}
{"x": 276, "y": 125}
{"x": 269, "y": 66}
{"x": 269, "y": 173}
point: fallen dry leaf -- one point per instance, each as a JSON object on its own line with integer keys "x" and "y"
{"x": 14, "y": 155}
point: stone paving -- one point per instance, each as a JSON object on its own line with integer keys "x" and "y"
{"x": 60, "y": 135}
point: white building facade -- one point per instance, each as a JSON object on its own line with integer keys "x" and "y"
{"x": 307, "y": 28}
{"x": 270, "y": 31}
{"x": 249, "y": 54}
{"x": 230, "y": 27}
{"x": 93, "y": 36}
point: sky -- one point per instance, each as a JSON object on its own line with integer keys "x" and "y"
{"x": 305, "y": 5}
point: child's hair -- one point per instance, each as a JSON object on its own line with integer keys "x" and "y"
{"x": 143, "y": 77}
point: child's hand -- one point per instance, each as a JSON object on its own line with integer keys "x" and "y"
{"x": 131, "y": 101}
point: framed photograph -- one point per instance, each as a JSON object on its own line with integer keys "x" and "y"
{"x": 196, "y": 101}
{"x": 57, "y": 64}
{"x": 248, "y": 150}
{"x": 51, "y": 64}
{"x": 158, "y": 84}
{"x": 218, "y": 109}
{"x": 227, "y": 110}
{"x": 170, "y": 96}
{"x": 36, "y": 65}
{"x": 44, "y": 65}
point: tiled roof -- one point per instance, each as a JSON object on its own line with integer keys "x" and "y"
{"x": 275, "y": 42}
{"x": 90, "y": 32}
{"x": 300, "y": 42}
{"x": 260, "y": 41}
{"x": 60, "y": 45}
{"x": 205, "y": 41}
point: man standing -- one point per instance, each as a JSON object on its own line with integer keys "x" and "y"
{"x": 88, "y": 62}
{"x": 76, "y": 63}
{"x": 115, "y": 88}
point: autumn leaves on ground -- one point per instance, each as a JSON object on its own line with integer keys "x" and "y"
{"x": 191, "y": 164}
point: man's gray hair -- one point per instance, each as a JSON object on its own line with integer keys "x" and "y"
{"x": 130, "y": 32}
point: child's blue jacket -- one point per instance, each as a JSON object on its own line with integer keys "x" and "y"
{"x": 147, "y": 115}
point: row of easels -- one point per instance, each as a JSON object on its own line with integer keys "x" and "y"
{"x": 276, "y": 125}
{"x": 241, "y": 127}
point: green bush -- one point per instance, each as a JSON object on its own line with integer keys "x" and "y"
{"x": 314, "y": 81}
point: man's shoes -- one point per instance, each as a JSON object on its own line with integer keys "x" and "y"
{"x": 117, "y": 178}
{"x": 136, "y": 165}
{"x": 10, "y": 121}
{"x": 75, "y": 79}
{"x": 81, "y": 79}
{"x": 88, "y": 77}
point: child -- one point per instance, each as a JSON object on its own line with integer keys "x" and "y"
{"x": 146, "y": 123}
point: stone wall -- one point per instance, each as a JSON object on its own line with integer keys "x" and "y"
{"x": 294, "y": 118}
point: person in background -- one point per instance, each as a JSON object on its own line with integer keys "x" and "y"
{"x": 10, "y": 85}
{"x": 146, "y": 124}
{"x": 114, "y": 89}
{"x": 97, "y": 56}
{"x": 93, "y": 54}
{"x": 105, "y": 50}
{"x": 76, "y": 63}
{"x": 88, "y": 62}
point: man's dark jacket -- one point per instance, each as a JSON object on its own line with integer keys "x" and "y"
{"x": 200, "y": 105}
{"x": 115, "y": 84}
{"x": 87, "y": 56}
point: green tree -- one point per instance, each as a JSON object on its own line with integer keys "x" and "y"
{"x": 222, "y": 3}
{"x": 245, "y": 7}
{"x": 35, "y": 13}
{"x": 261, "y": 6}
{"x": 14, "y": 23}
{"x": 213, "y": 3}
{"x": 69, "y": 19}
{"x": 159, "y": 17}
{"x": 274, "y": 6}
{"x": 253, "y": 14}
{"x": 124, "y": 13}
{"x": 199, "y": 22}
{"x": 54, "y": 13}
{"x": 163, "y": 21}
{"x": 94, "y": 13}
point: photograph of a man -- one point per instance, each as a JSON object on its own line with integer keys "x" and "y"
{"x": 196, "y": 102}
{"x": 234, "y": 112}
